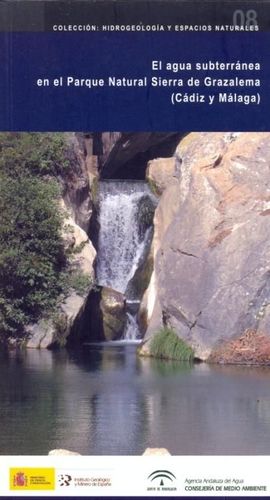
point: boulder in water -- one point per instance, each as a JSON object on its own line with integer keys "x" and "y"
{"x": 148, "y": 451}
{"x": 41, "y": 334}
{"x": 113, "y": 309}
{"x": 156, "y": 451}
{"x": 60, "y": 451}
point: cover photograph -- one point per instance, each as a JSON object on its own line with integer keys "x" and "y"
{"x": 134, "y": 248}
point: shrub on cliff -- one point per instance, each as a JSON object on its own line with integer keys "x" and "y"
{"x": 32, "y": 255}
{"x": 167, "y": 345}
{"x": 34, "y": 153}
{"x": 31, "y": 251}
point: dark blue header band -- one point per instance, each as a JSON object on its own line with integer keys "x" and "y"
{"x": 48, "y": 81}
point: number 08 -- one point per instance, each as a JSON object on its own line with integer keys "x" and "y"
{"x": 248, "y": 18}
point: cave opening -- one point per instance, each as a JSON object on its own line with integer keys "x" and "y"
{"x": 129, "y": 157}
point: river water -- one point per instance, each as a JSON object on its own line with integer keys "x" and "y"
{"x": 103, "y": 400}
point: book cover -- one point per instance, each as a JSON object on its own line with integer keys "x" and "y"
{"x": 134, "y": 248}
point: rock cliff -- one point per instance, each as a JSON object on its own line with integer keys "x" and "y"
{"x": 211, "y": 247}
{"x": 77, "y": 207}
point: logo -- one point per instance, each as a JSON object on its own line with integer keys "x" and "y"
{"x": 83, "y": 479}
{"x": 27, "y": 478}
{"x": 64, "y": 480}
{"x": 20, "y": 479}
{"x": 161, "y": 480}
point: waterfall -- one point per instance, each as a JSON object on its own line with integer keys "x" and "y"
{"x": 132, "y": 331}
{"x": 125, "y": 220}
{"x": 121, "y": 241}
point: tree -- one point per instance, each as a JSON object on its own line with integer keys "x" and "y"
{"x": 32, "y": 256}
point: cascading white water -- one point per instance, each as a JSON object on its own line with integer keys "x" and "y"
{"x": 120, "y": 243}
{"x": 132, "y": 331}
{"x": 123, "y": 237}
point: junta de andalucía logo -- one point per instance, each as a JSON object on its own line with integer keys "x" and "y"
{"x": 161, "y": 480}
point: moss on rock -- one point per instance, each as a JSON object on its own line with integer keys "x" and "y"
{"x": 167, "y": 345}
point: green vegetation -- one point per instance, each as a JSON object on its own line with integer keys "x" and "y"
{"x": 167, "y": 345}
{"x": 31, "y": 251}
{"x": 154, "y": 188}
{"x": 79, "y": 248}
{"x": 33, "y": 261}
{"x": 60, "y": 324}
{"x": 79, "y": 281}
{"x": 34, "y": 153}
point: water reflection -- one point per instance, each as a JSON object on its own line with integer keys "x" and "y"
{"x": 105, "y": 400}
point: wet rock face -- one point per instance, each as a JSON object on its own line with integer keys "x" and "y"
{"x": 112, "y": 306}
{"x": 212, "y": 278}
{"x": 140, "y": 281}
